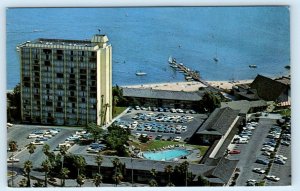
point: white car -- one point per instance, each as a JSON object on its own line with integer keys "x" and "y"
{"x": 12, "y": 159}
{"x": 281, "y": 157}
{"x": 47, "y": 135}
{"x": 273, "y": 178}
{"x": 31, "y": 136}
{"x": 37, "y": 142}
{"x": 266, "y": 153}
{"x": 177, "y": 138}
{"x": 259, "y": 170}
{"x": 251, "y": 180}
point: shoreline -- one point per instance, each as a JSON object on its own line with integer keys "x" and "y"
{"x": 189, "y": 86}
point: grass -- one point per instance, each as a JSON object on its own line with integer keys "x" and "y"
{"x": 118, "y": 111}
{"x": 285, "y": 112}
{"x": 157, "y": 144}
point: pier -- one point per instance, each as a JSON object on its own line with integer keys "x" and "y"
{"x": 189, "y": 74}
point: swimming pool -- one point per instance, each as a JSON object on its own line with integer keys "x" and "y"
{"x": 166, "y": 154}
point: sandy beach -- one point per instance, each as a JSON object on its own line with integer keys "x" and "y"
{"x": 189, "y": 86}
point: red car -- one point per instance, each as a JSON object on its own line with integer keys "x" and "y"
{"x": 235, "y": 152}
{"x": 150, "y": 137}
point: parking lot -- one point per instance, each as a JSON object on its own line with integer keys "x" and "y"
{"x": 165, "y": 125}
{"x": 250, "y": 152}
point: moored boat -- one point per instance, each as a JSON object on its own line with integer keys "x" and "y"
{"x": 140, "y": 73}
{"x": 252, "y": 66}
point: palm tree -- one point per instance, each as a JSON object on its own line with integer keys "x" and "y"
{"x": 118, "y": 175}
{"x": 64, "y": 174}
{"x": 46, "y": 149}
{"x": 99, "y": 160}
{"x": 153, "y": 181}
{"x": 79, "y": 163}
{"x": 184, "y": 167}
{"x": 80, "y": 179}
{"x": 46, "y": 165}
{"x": 97, "y": 180}
{"x": 117, "y": 178}
{"x": 31, "y": 148}
{"x": 12, "y": 148}
{"x": 27, "y": 169}
{"x": 12, "y": 145}
{"x": 169, "y": 170}
{"x": 63, "y": 151}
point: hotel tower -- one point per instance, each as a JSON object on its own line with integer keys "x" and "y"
{"x": 66, "y": 82}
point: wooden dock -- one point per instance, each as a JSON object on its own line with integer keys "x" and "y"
{"x": 190, "y": 74}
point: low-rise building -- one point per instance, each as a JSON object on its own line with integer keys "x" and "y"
{"x": 245, "y": 106}
{"x": 163, "y": 98}
{"x": 265, "y": 88}
{"x": 218, "y": 126}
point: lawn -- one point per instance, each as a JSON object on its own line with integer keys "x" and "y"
{"x": 157, "y": 144}
{"x": 118, "y": 111}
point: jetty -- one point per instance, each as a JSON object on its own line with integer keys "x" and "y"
{"x": 190, "y": 74}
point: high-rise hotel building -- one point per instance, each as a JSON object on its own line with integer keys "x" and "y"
{"x": 66, "y": 82}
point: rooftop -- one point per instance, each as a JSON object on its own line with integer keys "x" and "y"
{"x": 67, "y": 43}
{"x": 163, "y": 94}
{"x": 243, "y": 105}
{"x": 267, "y": 88}
{"x": 219, "y": 121}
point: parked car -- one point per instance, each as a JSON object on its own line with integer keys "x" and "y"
{"x": 262, "y": 161}
{"x": 177, "y": 138}
{"x": 234, "y": 152}
{"x": 259, "y": 171}
{"x": 279, "y": 161}
{"x": 272, "y": 177}
{"x": 12, "y": 159}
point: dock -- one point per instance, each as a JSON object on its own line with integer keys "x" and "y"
{"x": 190, "y": 74}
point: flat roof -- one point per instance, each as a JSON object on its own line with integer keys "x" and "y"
{"x": 163, "y": 94}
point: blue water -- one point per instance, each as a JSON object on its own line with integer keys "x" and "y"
{"x": 166, "y": 154}
{"x": 144, "y": 38}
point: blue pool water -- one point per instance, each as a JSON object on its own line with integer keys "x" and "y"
{"x": 144, "y": 38}
{"x": 166, "y": 154}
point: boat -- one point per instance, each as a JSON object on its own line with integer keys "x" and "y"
{"x": 140, "y": 73}
{"x": 172, "y": 60}
{"x": 287, "y": 67}
{"x": 216, "y": 59}
{"x": 252, "y": 66}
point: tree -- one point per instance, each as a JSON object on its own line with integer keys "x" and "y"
{"x": 95, "y": 130}
{"x": 153, "y": 181}
{"x": 31, "y": 148}
{"x": 210, "y": 101}
{"x": 97, "y": 180}
{"x": 12, "y": 145}
{"x": 27, "y": 169}
{"x": 12, "y": 148}
{"x": 80, "y": 179}
{"x": 99, "y": 160}
{"x": 169, "y": 170}
{"x": 184, "y": 168}
{"x": 64, "y": 174}
{"x": 117, "y": 139}
{"x": 46, "y": 149}
{"x": 14, "y": 104}
{"x": 79, "y": 164}
{"x": 202, "y": 181}
{"x": 46, "y": 166}
{"x": 117, "y": 177}
{"x": 63, "y": 151}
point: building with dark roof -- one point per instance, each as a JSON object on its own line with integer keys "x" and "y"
{"x": 218, "y": 125}
{"x": 265, "y": 88}
{"x": 245, "y": 106}
{"x": 163, "y": 98}
{"x": 220, "y": 169}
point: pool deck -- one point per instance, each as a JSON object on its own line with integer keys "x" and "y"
{"x": 193, "y": 156}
